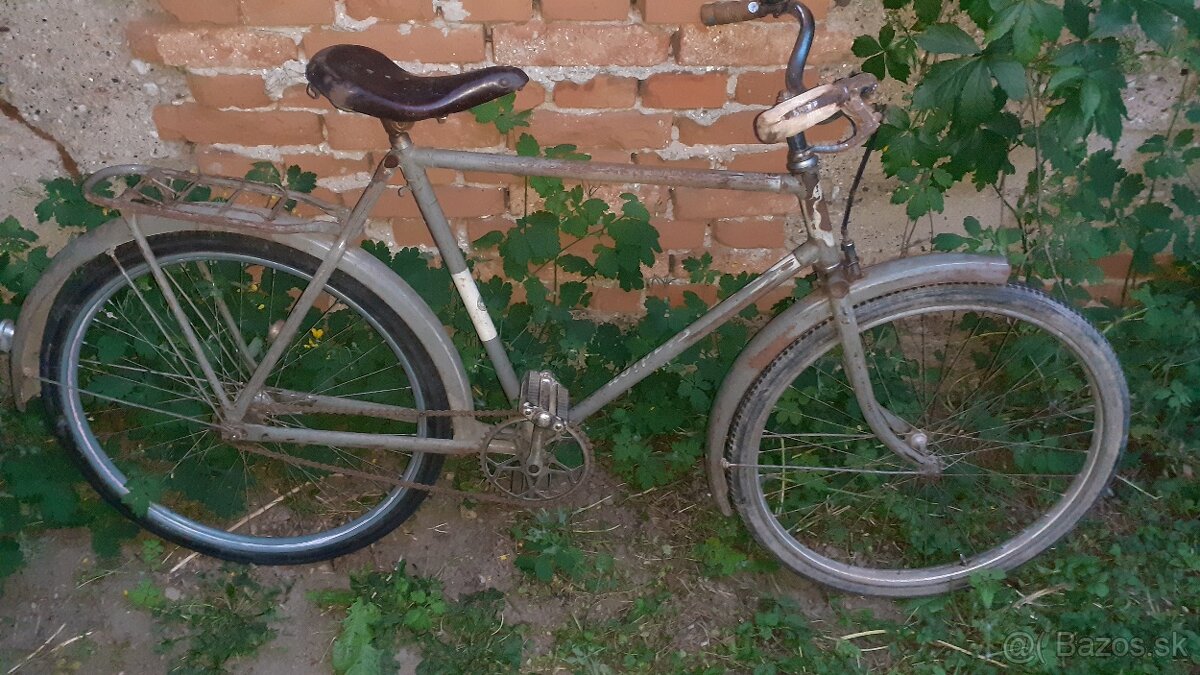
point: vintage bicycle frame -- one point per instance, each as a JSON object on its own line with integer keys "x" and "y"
{"x": 413, "y": 161}
{"x": 820, "y": 251}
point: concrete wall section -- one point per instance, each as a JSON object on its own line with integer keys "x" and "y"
{"x": 69, "y": 80}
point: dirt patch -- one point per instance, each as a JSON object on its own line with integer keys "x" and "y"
{"x": 63, "y": 592}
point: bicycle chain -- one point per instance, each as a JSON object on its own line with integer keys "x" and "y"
{"x": 255, "y": 448}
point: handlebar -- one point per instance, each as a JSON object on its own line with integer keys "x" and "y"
{"x": 737, "y": 11}
{"x": 800, "y": 109}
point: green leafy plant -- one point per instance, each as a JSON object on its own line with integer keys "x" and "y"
{"x": 293, "y": 177}
{"x": 229, "y": 618}
{"x": 1050, "y": 80}
{"x": 502, "y": 114}
{"x": 146, "y": 596}
{"x": 387, "y": 610}
{"x": 549, "y": 548}
{"x": 21, "y": 265}
{"x": 780, "y": 639}
{"x": 354, "y": 651}
{"x": 728, "y": 550}
{"x": 636, "y": 641}
{"x": 66, "y": 205}
{"x": 383, "y": 611}
{"x": 40, "y": 490}
{"x": 474, "y": 639}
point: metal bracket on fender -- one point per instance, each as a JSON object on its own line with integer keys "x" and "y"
{"x": 783, "y": 330}
{"x": 26, "y": 340}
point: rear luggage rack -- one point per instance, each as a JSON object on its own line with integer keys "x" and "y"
{"x": 136, "y": 188}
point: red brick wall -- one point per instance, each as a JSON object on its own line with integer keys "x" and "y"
{"x": 641, "y": 82}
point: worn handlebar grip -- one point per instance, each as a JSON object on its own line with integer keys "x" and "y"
{"x": 718, "y": 13}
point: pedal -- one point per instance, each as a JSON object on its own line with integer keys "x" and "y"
{"x": 544, "y": 401}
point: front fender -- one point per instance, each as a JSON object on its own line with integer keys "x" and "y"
{"x": 794, "y": 322}
{"x": 31, "y": 324}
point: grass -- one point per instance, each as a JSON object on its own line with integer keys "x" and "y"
{"x": 551, "y": 549}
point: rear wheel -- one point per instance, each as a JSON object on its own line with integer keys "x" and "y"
{"x": 1023, "y": 401}
{"x": 127, "y": 396}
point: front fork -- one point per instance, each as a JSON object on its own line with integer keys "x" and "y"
{"x": 898, "y": 435}
{"x": 838, "y": 267}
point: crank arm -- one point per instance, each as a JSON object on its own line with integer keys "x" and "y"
{"x": 886, "y": 426}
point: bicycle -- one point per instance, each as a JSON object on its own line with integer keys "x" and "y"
{"x": 243, "y": 381}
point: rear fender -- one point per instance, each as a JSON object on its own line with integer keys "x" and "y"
{"x": 31, "y": 324}
{"x": 800, "y": 318}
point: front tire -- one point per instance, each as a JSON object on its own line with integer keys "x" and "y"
{"x": 126, "y": 396}
{"x": 1022, "y": 399}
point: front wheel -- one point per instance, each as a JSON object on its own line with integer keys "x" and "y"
{"x": 1021, "y": 399}
{"x": 127, "y": 395}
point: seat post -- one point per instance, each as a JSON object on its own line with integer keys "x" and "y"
{"x": 395, "y": 131}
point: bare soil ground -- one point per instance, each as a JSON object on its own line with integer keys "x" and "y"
{"x": 67, "y": 612}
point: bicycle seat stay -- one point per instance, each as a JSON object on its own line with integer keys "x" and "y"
{"x": 360, "y": 79}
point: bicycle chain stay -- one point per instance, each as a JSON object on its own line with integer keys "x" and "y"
{"x": 257, "y": 449}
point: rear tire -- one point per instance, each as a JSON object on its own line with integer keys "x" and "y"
{"x": 1023, "y": 400}
{"x": 126, "y": 397}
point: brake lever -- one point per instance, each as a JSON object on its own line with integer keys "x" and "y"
{"x": 820, "y": 105}
{"x": 864, "y": 122}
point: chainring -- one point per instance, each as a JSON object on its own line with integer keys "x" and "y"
{"x": 547, "y": 464}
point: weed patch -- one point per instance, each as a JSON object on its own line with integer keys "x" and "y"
{"x": 385, "y": 611}
{"x": 229, "y": 618}
{"x": 729, "y": 550}
{"x": 550, "y": 548}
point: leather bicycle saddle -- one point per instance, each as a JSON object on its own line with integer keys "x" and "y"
{"x": 360, "y": 79}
